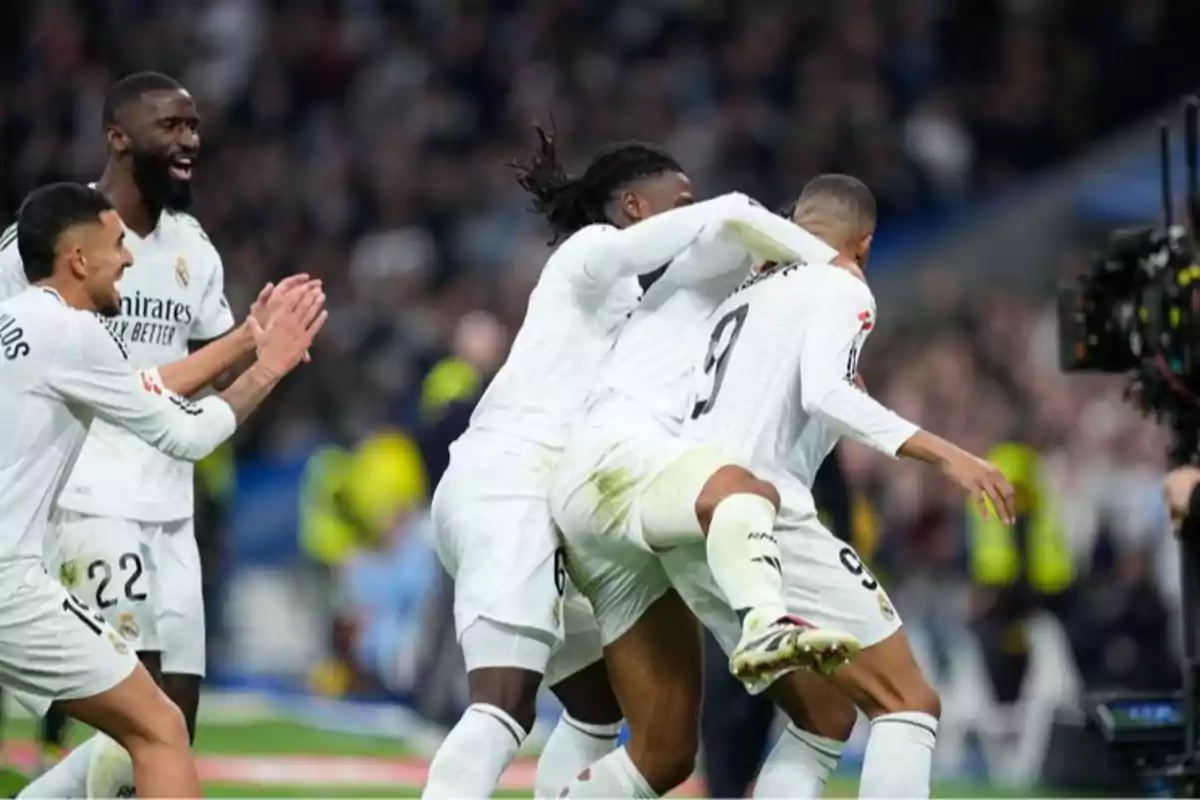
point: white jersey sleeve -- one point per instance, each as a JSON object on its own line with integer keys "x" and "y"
{"x": 833, "y": 338}
{"x": 214, "y": 318}
{"x": 12, "y": 272}
{"x": 653, "y": 242}
{"x": 93, "y": 371}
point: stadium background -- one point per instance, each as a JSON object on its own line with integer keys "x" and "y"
{"x": 364, "y": 141}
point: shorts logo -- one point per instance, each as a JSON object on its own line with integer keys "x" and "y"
{"x": 127, "y": 626}
{"x": 885, "y": 607}
{"x": 68, "y": 574}
{"x": 119, "y": 644}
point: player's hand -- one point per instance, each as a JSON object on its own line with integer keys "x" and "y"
{"x": 1177, "y": 492}
{"x": 273, "y": 298}
{"x": 984, "y": 482}
{"x": 282, "y": 344}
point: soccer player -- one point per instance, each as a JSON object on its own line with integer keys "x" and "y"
{"x": 61, "y": 367}
{"x": 622, "y": 220}
{"x": 778, "y": 377}
{"x": 122, "y": 531}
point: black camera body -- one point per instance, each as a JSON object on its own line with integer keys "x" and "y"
{"x": 1137, "y": 311}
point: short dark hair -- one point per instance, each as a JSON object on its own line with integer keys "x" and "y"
{"x": 841, "y": 199}
{"x": 45, "y": 215}
{"x": 569, "y": 203}
{"x": 131, "y": 88}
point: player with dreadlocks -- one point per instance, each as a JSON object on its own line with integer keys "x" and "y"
{"x": 519, "y": 623}
{"x": 516, "y": 622}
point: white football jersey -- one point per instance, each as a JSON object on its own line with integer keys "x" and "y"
{"x": 574, "y": 314}
{"x": 776, "y": 383}
{"x": 59, "y": 369}
{"x": 588, "y": 289}
{"x": 173, "y": 294}
{"x": 652, "y": 362}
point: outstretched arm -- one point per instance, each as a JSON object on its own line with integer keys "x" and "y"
{"x": 651, "y": 243}
{"x": 829, "y": 365}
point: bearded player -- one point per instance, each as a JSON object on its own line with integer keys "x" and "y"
{"x": 122, "y": 535}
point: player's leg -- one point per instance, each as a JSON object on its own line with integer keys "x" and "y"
{"x": 656, "y": 674}
{"x": 591, "y": 718}
{"x": 502, "y": 551}
{"x": 53, "y": 646}
{"x": 179, "y": 664}
{"x": 111, "y": 564}
{"x": 828, "y": 583}
{"x": 886, "y": 683}
{"x": 700, "y": 495}
{"x": 181, "y": 625}
{"x": 820, "y": 720}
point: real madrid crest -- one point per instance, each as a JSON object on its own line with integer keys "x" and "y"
{"x": 127, "y": 626}
{"x": 181, "y": 271}
{"x": 885, "y": 607}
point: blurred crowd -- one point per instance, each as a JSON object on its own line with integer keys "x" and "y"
{"x": 366, "y": 141}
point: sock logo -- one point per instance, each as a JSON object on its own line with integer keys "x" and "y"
{"x": 759, "y": 537}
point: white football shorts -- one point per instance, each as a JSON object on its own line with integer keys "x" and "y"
{"x": 824, "y": 580}
{"x": 53, "y": 646}
{"x": 144, "y": 577}
{"x": 513, "y": 604}
{"x": 620, "y": 476}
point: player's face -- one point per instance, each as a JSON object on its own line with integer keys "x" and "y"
{"x": 103, "y": 260}
{"x": 163, "y": 142}
{"x": 658, "y": 193}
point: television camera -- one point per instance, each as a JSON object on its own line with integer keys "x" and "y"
{"x": 1137, "y": 311}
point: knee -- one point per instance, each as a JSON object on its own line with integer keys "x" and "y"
{"x": 918, "y": 696}
{"x": 588, "y": 697}
{"x": 728, "y": 481}
{"x": 162, "y": 726}
{"x": 513, "y": 691}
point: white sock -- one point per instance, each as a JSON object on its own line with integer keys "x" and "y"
{"x": 110, "y": 771}
{"x": 572, "y": 746}
{"x": 899, "y": 757}
{"x": 799, "y": 765}
{"x": 475, "y": 754}
{"x": 612, "y": 776}
{"x": 67, "y": 778}
{"x": 744, "y": 557}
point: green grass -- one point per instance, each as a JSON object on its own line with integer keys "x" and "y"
{"x": 281, "y": 737}
{"x": 277, "y": 737}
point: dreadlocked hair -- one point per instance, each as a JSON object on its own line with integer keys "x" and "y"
{"x": 570, "y": 203}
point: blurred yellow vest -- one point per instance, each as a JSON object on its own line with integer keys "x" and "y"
{"x": 348, "y": 499}
{"x": 995, "y": 555}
